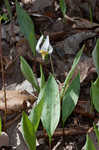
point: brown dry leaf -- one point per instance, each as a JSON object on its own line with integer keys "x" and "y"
{"x": 73, "y": 42}
{"x": 38, "y": 5}
{"x": 16, "y": 101}
{"x": 56, "y": 36}
{"x": 84, "y": 109}
{"x": 81, "y": 23}
{"x": 23, "y": 48}
{"x": 84, "y": 66}
{"x": 6, "y": 62}
{"x": 80, "y": 8}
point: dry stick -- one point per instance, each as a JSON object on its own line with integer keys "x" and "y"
{"x": 67, "y": 132}
{"x": 3, "y": 80}
{"x": 63, "y": 135}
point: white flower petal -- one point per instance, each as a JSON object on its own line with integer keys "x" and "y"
{"x": 38, "y": 43}
{"x": 50, "y": 49}
{"x": 45, "y": 44}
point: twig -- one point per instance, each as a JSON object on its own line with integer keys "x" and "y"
{"x": 3, "y": 79}
{"x": 67, "y": 132}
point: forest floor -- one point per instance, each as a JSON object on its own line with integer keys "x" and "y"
{"x": 67, "y": 36}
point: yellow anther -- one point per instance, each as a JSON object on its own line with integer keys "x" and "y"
{"x": 43, "y": 53}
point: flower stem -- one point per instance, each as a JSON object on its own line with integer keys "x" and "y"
{"x": 52, "y": 67}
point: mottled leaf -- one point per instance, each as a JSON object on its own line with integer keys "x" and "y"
{"x": 51, "y": 109}
{"x": 70, "y": 98}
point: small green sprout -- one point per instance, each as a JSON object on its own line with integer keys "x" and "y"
{"x": 3, "y": 17}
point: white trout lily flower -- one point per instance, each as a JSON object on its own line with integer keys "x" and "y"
{"x": 44, "y": 47}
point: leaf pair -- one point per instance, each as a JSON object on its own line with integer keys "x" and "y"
{"x": 47, "y": 108}
{"x": 70, "y": 93}
{"x": 70, "y": 74}
{"x": 69, "y": 96}
{"x": 48, "y": 103}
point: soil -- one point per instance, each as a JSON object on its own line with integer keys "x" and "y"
{"x": 67, "y": 35}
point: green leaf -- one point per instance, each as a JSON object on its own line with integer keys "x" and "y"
{"x": 70, "y": 98}
{"x": 70, "y": 74}
{"x": 28, "y": 132}
{"x": 95, "y": 55}
{"x": 95, "y": 94}
{"x": 42, "y": 78}
{"x": 8, "y": 8}
{"x": 26, "y": 26}
{"x": 89, "y": 144}
{"x": 28, "y": 73}
{"x": 36, "y": 111}
{"x": 51, "y": 109}
{"x": 0, "y": 125}
{"x": 63, "y": 7}
{"x": 97, "y": 132}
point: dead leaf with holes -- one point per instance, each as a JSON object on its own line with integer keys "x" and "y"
{"x": 16, "y": 101}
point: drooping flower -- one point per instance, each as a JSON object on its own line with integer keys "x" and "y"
{"x": 44, "y": 47}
